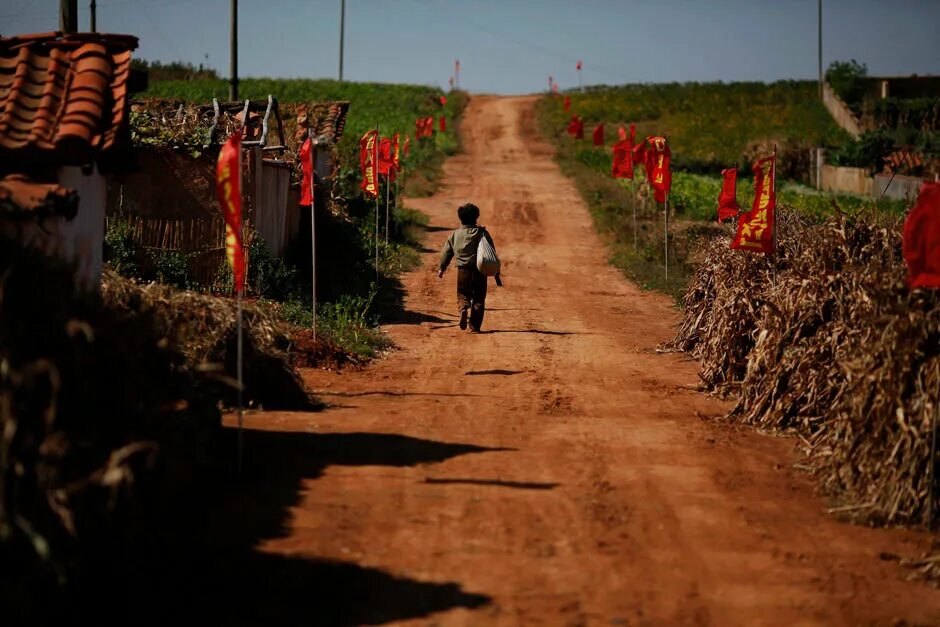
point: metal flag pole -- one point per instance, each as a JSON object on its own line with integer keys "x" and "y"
{"x": 932, "y": 470}
{"x": 375, "y": 165}
{"x": 666, "y": 234}
{"x": 388, "y": 187}
{"x": 239, "y": 348}
{"x": 313, "y": 232}
{"x": 633, "y": 202}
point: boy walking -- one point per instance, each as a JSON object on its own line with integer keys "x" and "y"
{"x": 471, "y": 283}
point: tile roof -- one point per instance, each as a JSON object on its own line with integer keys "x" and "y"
{"x": 63, "y": 98}
{"x": 20, "y": 196}
{"x": 328, "y": 119}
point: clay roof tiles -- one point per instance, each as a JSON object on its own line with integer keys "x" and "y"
{"x": 63, "y": 98}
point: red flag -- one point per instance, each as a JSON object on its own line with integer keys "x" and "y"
{"x": 306, "y": 166}
{"x": 385, "y": 156}
{"x": 368, "y": 163}
{"x": 429, "y": 126}
{"x": 567, "y": 104}
{"x": 579, "y": 64}
{"x": 576, "y": 127}
{"x": 407, "y": 146}
{"x": 621, "y": 133}
{"x": 555, "y": 88}
{"x": 443, "y": 100}
{"x": 921, "y": 243}
{"x": 598, "y": 135}
{"x": 457, "y": 66}
{"x": 658, "y": 173}
{"x": 443, "y": 124}
{"x": 728, "y": 197}
{"x": 623, "y": 160}
{"x": 228, "y": 190}
{"x": 632, "y": 133}
{"x": 756, "y": 227}
{"x": 639, "y": 150}
{"x": 396, "y": 161}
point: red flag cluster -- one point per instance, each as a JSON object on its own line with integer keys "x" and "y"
{"x": 598, "y": 135}
{"x": 228, "y": 190}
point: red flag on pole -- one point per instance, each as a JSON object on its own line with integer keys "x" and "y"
{"x": 658, "y": 173}
{"x": 756, "y": 227}
{"x": 385, "y": 155}
{"x": 396, "y": 161}
{"x": 443, "y": 100}
{"x": 576, "y": 127}
{"x": 579, "y": 65}
{"x": 623, "y": 160}
{"x": 228, "y": 174}
{"x": 598, "y": 134}
{"x": 368, "y": 163}
{"x": 728, "y": 197}
{"x": 306, "y": 165}
{"x": 632, "y": 133}
{"x": 567, "y": 104}
{"x": 921, "y": 243}
{"x": 443, "y": 124}
{"x": 621, "y": 133}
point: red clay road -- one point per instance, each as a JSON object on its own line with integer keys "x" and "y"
{"x": 554, "y": 470}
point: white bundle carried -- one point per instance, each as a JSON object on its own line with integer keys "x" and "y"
{"x": 487, "y": 261}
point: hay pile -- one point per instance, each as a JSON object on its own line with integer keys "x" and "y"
{"x": 831, "y": 346}
{"x": 204, "y": 330}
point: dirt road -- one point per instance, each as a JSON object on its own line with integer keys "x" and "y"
{"x": 555, "y": 469}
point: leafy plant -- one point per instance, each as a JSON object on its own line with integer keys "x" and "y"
{"x": 849, "y": 79}
{"x": 171, "y": 267}
{"x": 120, "y": 249}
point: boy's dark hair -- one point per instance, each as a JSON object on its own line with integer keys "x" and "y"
{"x": 468, "y": 214}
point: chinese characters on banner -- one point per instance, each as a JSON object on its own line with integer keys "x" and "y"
{"x": 756, "y": 227}
{"x": 228, "y": 190}
{"x": 657, "y": 166}
{"x": 368, "y": 163}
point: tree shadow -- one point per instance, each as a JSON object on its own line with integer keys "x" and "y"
{"x": 213, "y": 571}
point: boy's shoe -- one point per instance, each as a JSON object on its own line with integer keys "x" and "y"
{"x": 463, "y": 319}
{"x": 473, "y": 329}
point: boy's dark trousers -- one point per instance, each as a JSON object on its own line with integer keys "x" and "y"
{"x": 471, "y": 294}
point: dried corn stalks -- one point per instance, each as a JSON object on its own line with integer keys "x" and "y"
{"x": 831, "y": 345}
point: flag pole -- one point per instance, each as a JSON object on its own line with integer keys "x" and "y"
{"x": 388, "y": 186}
{"x": 773, "y": 232}
{"x": 633, "y": 202}
{"x": 666, "y": 236}
{"x": 313, "y": 233}
{"x": 375, "y": 165}
{"x": 239, "y": 349}
{"x": 932, "y": 470}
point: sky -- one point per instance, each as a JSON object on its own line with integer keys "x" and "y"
{"x": 512, "y": 46}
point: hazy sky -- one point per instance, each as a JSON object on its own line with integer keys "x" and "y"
{"x": 511, "y": 46}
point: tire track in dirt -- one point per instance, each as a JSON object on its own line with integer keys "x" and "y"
{"x": 599, "y": 496}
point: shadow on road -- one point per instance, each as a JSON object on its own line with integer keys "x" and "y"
{"x": 519, "y": 485}
{"x": 497, "y": 371}
{"x": 218, "y": 575}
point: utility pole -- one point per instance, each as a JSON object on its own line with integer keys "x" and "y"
{"x": 94, "y": 16}
{"x": 820, "y": 51}
{"x": 68, "y": 16}
{"x": 342, "y": 30}
{"x": 233, "y": 55}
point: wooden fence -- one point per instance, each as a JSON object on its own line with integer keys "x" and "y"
{"x": 202, "y": 240}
